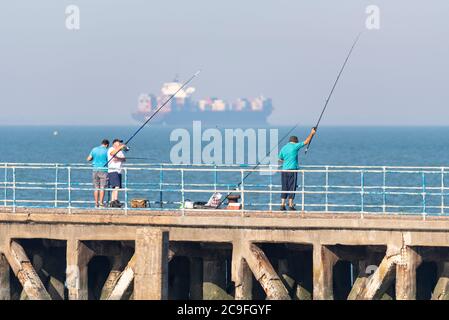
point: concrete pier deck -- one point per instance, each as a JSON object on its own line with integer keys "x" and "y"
{"x": 221, "y": 255}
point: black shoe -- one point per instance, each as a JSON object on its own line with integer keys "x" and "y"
{"x": 283, "y": 208}
{"x": 291, "y": 208}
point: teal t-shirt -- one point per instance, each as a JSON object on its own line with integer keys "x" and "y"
{"x": 99, "y": 158}
{"x": 289, "y": 155}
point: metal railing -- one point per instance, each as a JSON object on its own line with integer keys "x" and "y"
{"x": 363, "y": 189}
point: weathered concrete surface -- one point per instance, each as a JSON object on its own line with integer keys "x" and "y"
{"x": 24, "y": 271}
{"x": 325, "y": 232}
{"x": 78, "y": 256}
{"x": 323, "y": 262}
{"x": 264, "y": 272}
{"x": 441, "y": 291}
{"x": 5, "y": 288}
{"x": 151, "y": 274}
{"x": 406, "y": 274}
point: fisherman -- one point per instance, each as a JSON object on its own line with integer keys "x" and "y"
{"x": 99, "y": 158}
{"x": 116, "y": 158}
{"x": 289, "y": 158}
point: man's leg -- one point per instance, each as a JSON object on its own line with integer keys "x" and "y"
{"x": 284, "y": 188}
{"x": 291, "y": 187}
{"x": 115, "y": 194}
{"x": 96, "y": 197}
{"x": 101, "y": 196}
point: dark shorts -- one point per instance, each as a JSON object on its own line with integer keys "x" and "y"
{"x": 288, "y": 184}
{"x": 115, "y": 180}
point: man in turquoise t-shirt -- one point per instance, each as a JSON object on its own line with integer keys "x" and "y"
{"x": 289, "y": 158}
{"x": 99, "y": 158}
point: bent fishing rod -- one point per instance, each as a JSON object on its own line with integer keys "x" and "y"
{"x": 332, "y": 90}
{"x": 291, "y": 130}
{"x": 155, "y": 112}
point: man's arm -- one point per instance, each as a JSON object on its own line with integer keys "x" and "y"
{"x": 114, "y": 153}
{"x": 89, "y": 157}
{"x": 309, "y": 138}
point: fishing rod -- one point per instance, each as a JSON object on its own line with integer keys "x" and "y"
{"x": 258, "y": 164}
{"x": 291, "y": 130}
{"x": 155, "y": 112}
{"x": 332, "y": 90}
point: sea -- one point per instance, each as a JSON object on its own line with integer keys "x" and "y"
{"x": 332, "y": 146}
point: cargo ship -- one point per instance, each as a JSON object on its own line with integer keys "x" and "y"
{"x": 183, "y": 109}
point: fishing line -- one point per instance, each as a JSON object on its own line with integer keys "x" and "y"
{"x": 291, "y": 130}
{"x": 156, "y": 112}
{"x": 333, "y": 88}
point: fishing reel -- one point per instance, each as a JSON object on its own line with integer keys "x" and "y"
{"x": 126, "y": 149}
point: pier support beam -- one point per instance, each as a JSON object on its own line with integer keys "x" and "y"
{"x": 78, "y": 257}
{"x": 5, "y": 288}
{"x": 323, "y": 262}
{"x": 118, "y": 265}
{"x": 377, "y": 284}
{"x": 196, "y": 279}
{"x": 24, "y": 271}
{"x": 242, "y": 277}
{"x": 264, "y": 272}
{"x": 151, "y": 271}
{"x": 406, "y": 274}
{"x": 124, "y": 280}
{"x": 441, "y": 291}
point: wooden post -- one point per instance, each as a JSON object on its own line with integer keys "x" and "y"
{"x": 196, "y": 279}
{"x": 78, "y": 257}
{"x": 151, "y": 273}
{"x": 406, "y": 274}
{"x": 264, "y": 273}
{"x": 323, "y": 262}
{"x": 24, "y": 271}
{"x": 441, "y": 291}
{"x": 5, "y": 289}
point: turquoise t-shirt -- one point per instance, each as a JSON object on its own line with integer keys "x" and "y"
{"x": 99, "y": 158}
{"x": 289, "y": 155}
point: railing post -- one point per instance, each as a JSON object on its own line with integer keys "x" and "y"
{"x": 362, "y": 191}
{"x": 182, "y": 192}
{"x": 442, "y": 191}
{"x": 69, "y": 188}
{"x": 384, "y": 196}
{"x": 6, "y": 184}
{"x": 423, "y": 193}
{"x": 327, "y": 189}
{"x": 13, "y": 189}
{"x": 126, "y": 190}
{"x": 242, "y": 188}
{"x": 161, "y": 179}
{"x": 271, "y": 188}
{"x": 303, "y": 191}
{"x": 215, "y": 177}
{"x": 56, "y": 186}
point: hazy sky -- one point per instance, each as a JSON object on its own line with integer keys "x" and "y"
{"x": 289, "y": 50}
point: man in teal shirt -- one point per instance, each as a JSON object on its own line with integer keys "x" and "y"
{"x": 99, "y": 158}
{"x": 289, "y": 158}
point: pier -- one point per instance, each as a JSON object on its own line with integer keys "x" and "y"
{"x": 346, "y": 241}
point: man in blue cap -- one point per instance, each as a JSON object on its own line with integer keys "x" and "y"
{"x": 289, "y": 157}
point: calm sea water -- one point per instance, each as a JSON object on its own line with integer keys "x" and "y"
{"x": 401, "y": 146}
{"x": 355, "y": 146}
